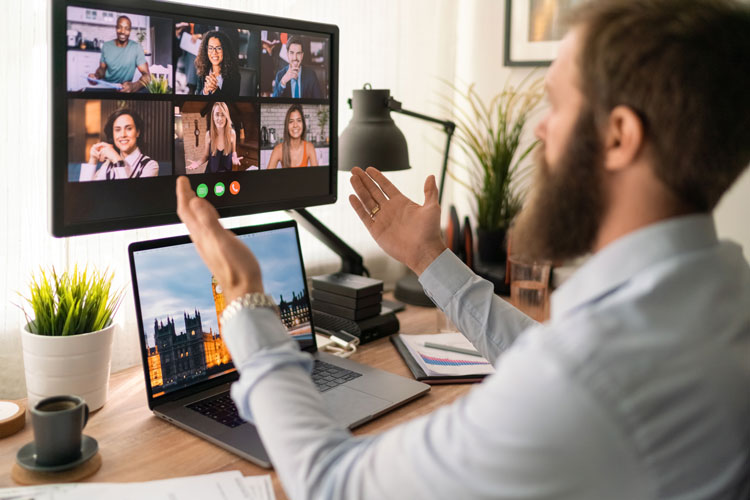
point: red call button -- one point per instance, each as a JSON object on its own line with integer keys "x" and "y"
{"x": 234, "y": 187}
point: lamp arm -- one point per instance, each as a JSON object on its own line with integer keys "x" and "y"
{"x": 448, "y": 127}
{"x": 351, "y": 261}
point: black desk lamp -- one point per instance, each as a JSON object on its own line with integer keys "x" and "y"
{"x": 372, "y": 139}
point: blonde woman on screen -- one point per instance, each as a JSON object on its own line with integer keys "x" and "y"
{"x": 294, "y": 151}
{"x": 221, "y": 143}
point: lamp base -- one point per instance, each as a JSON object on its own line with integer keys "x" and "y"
{"x": 410, "y": 291}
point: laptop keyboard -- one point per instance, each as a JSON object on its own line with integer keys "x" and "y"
{"x": 326, "y": 376}
{"x": 221, "y": 408}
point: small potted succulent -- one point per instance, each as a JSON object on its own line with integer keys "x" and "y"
{"x": 158, "y": 85}
{"x": 67, "y": 337}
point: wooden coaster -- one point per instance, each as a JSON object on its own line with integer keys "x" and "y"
{"x": 25, "y": 476}
{"x": 12, "y": 418}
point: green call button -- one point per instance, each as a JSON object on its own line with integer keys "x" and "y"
{"x": 201, "y": 190}
{"x": 219, "y": 189}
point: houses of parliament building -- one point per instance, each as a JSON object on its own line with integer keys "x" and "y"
{"x": 176, "y": 359}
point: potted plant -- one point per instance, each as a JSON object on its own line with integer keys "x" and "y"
{"x": 490, "y": 134}
{"x": 322, "y": 114}
{"x": 158, "y": 85}
{"x": 67, "y": 345}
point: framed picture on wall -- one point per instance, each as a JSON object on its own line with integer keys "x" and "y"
{"x": 533, "y": 30}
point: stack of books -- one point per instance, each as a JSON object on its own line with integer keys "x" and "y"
{"x": 342, "y": 301}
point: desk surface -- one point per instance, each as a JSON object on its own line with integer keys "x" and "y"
{"x": 137, "y": 446}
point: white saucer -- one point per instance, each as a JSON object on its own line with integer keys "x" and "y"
{"x": 26, "y": 456}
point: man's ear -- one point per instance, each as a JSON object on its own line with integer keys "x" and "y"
{"x": 623, "y": 138}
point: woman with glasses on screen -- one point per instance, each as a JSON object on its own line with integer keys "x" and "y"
{"x": 220, "y": 150}
{"x": 217, "y": 67}
{"x": 120, "y": 156}
{"x": 295, "y": 151}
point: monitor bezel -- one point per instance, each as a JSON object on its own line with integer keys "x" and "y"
{"x": 58, "y": 123}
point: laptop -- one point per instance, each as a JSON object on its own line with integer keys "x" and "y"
{"x": 187, "y": 367}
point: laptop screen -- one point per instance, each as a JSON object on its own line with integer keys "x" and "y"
{"x": 179, "y": 303}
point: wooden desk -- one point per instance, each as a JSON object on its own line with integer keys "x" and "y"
{"x": 137, "y": 446}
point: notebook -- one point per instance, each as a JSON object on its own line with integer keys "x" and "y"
{"x": 187, "y": 367}
{"x": 441, "y": 366}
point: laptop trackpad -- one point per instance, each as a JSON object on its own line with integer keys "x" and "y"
{"x": 351, "y": 407}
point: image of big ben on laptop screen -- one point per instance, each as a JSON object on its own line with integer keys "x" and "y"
{"x": 180, "y": 311}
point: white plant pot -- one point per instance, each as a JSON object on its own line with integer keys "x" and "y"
{"x": 75, "y": 364}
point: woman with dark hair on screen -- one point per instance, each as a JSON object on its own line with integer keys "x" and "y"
{"x": 217, "y": 67}
{"x": 221, "y": 143}
{"x": 295, "y": 151}
{"x": 120, "y": 153}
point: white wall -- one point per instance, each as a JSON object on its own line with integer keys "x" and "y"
{"x": 410, "y": 47}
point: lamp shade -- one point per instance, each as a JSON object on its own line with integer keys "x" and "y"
{"x": 372, "y": 138}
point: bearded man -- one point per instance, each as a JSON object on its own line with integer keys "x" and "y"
{"x": 637, "y": 387}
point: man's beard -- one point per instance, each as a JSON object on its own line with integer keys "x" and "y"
{"x": 561, "y": 219}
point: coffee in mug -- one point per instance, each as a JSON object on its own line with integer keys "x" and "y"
{"x": 58, "y": 423}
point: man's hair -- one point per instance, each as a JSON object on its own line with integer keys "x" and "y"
{"x": 295, "y": 40}
{"x": 123, "y": 17}
{"x": 109, "y": 135}
{"x": 683, "y": 66}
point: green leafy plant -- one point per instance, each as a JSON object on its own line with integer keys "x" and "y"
{"x": 158, "y": 86}
{"x": 71, "y": 303}
{"x": 322, "y": 120}
{"x": 490, "y": 134}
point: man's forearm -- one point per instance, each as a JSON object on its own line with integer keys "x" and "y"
{"x": 488, "y": 321}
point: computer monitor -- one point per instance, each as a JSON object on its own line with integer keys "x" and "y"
{"x": 145, "y": 91}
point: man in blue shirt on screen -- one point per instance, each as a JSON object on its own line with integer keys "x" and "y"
{"x": 291, "y": 80}
{"x": 120, "y": 58}
{"x": 637, "y": 386}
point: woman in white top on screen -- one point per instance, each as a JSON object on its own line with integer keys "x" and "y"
{"x": 120, "y": 155}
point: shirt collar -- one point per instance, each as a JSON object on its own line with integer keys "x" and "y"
{"x": 133, "y": 157}
{"x": 622, "y": 259}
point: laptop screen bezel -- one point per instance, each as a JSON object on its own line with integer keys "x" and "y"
{"x": 139, "y": 246}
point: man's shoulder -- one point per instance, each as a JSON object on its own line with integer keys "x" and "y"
{"x": 134, "y": 46}
{"x": 281, "y": 72}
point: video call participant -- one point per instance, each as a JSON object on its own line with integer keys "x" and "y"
{"x": 120, "y": 58}
{"x": 637, "y": 386}
{"x": 221, "y": 143}
{"x": 187, "y": 59}
{"x": 293, "y": 80}
{"x": 294, "y": 151}
{"x": 120, "y": 155}
{"x": 217, "y": 67}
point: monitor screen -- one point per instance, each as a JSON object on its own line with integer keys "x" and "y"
{"x": 145, "y": 91}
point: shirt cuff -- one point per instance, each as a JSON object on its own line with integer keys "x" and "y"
{"x": 444, "y": 277}
{"x": 252, "y": 330}
{"x": 259, "y": 344}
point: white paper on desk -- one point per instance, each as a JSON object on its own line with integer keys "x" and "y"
{"x": 188, "y": 45}
{"x": 437, "y": 362}
{"x": 230, "y": 485}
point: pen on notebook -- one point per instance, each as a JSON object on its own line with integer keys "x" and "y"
{"x": 450, "y": 348}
